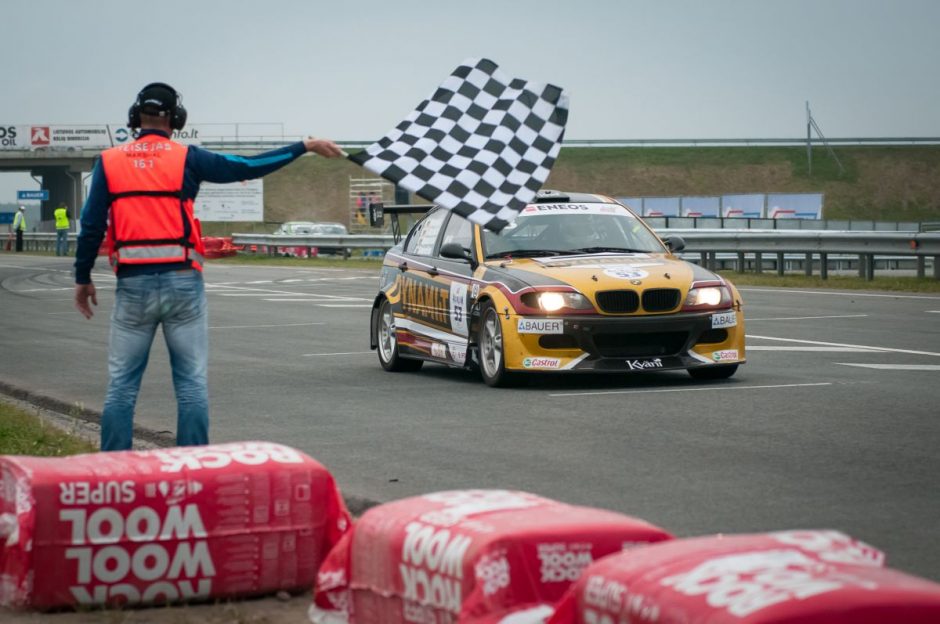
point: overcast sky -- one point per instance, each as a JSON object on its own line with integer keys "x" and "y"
{"x": 352, "y": 70}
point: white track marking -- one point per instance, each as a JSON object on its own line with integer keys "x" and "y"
{"x": 330, "y": 354}
{"x": 702, "y": 389}
{"x": 813, "y": 349}
{"x": 905, "y": 367}
{"x": 345, "y": 305}
{"x": 270, "y": 292}
{"x": 839, "y": 344}
{"x": 796, "y": 291}
{"x": 254, "y": 326}
{"x": 806, "y": 318}
{"x": 933, "y": 311}
{"x": 312, "y": 300}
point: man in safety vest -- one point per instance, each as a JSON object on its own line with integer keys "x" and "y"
{"x": 141, "y": 198}
{"x": 61, "y": 215}
{"x": 19, "y": 226}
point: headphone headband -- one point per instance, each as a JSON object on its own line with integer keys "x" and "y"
{"x": 177, "y": 112}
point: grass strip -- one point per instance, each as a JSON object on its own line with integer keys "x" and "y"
{"x": 25, "y": 433}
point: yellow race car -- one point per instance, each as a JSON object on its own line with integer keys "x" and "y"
{"x": 577, "y": 283}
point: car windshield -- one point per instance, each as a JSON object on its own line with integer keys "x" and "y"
{"x": 555, "y": 229}
{"x": 331, "y": 229}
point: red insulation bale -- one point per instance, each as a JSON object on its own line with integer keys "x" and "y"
{"x": 791, "y": 577}
{"x": 164, "y": 526}
{"x": 466, "y": 556}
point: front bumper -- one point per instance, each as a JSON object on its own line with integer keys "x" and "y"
{"x": 626, "y": 344}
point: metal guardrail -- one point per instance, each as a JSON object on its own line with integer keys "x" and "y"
{"x": 816, "y": 247}
{"x": 708, "y": 243}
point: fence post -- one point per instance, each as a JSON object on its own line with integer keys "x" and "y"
{"x": 758, "y": 262}
{"x": 861, "y": 266}
{"x": 824, "y": 265}
{"x": 921, "y": 266}
{"x": 936, "y": 267}
{"x": 740, "y": 267}
{"x": 808, "y": 266}
{"x": 780, "y": 267}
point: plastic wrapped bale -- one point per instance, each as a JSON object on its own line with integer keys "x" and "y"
{"x": 792, "y": 577}
{"x": 467, "y": 556}
{"x": 164, "y": 526}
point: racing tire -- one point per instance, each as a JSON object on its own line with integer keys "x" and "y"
{"x": 387, "y": 342}
{"x": 490, "y": 346}
{"x": 713, "y": 372}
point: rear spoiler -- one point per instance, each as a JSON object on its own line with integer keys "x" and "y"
{"x": 378, "y": 210}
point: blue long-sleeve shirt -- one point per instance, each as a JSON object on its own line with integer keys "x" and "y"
{"x": 201, "y": 166}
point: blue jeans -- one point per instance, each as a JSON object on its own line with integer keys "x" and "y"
{"x": 177, "y": 300}
{"x": 61, "y": 242}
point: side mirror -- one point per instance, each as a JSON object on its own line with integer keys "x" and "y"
{"x": 455, "y": 251}
{"x": 674, "y": 244}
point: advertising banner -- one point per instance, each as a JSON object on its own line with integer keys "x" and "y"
{"x": 795, "y": 206}
{"x": 120, "y": 134}
{"x": 700, "y": 206}
{"x": 743, "y": 206}
{"x": 238, "y": 201}
{"x": 661, "y": 207}
{"x": 56, "y": 137}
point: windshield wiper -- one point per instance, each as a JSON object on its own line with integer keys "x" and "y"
{"x": 524, "y": 253}
{"x": 608, "y": 249}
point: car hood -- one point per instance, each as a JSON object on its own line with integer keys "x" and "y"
{"x": 597, "y": 272}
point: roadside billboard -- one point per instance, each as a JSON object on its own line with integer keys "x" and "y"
{"x": 661, "y": 207}
{"x": 31, "y": 137}
{"x": 750, "y": 206}
{"x": 238, "y": 201}
{"x": 795, "y": 206}
{"x": 700, "y": 206}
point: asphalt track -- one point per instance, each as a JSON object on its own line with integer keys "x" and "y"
{"x": 833, "y": 423}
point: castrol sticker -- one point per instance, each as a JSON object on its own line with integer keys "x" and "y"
{"x": 727, "y": 355}
{"x": 724, "y": 319}
{"x": 541, "y": 362}
{"x": 540, "y": 326}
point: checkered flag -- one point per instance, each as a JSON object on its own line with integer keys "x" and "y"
{"x": 482, "y": 145}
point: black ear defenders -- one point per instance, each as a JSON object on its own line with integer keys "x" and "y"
{"x": 177, "y": 112}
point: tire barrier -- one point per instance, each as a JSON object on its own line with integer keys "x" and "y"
{"x": 810, "y": 577}
{"x": 466, "y": 556}
{"x": 164, "y": 526}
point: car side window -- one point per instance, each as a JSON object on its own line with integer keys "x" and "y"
{"x": 422, "y": 238}
{"x": 459, "y": 231}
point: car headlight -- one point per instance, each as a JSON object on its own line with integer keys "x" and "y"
{"x": 708, "y": 297}
{"x": 554, "y": 301}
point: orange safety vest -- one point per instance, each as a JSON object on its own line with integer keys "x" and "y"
{"x": 149, "y": 221}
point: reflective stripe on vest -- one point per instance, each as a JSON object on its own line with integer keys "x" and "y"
{"x": 149, "y": 221}
{"x": 144, "y": 254}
